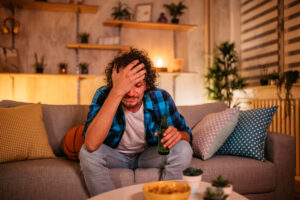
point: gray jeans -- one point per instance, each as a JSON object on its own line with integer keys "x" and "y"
{"x": 95, "y": 165}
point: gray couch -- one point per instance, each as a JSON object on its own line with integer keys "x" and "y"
{"x": 61, "y": 178}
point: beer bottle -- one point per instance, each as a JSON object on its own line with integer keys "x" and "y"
{"x": 163, "y": 127}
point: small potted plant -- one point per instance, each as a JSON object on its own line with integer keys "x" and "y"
{"x": 84, "y": 37}
{"x": 192, "y": 176}
{"x": 84, "y": 68}
{"x": 63, "y": 68}
{"x": 121, "y": 12}
{"x": 273, "y": 77}
{"x": 39, "y": 66}
{"x": 175, "y": 11}
{"x": 212, "y": 193}
{"x": 223, "y": 183}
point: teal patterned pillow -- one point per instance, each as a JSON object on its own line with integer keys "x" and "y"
{"x": 248, "y": 137}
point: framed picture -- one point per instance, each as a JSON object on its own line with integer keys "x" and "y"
{"x": 143, "y": 12}
{"x": 9, "y": 60}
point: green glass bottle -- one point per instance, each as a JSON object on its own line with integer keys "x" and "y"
{"x": 163, "y": 127}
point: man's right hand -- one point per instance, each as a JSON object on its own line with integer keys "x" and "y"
{"x": 127, "y": 77}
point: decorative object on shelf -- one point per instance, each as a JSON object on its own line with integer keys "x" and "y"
{"x": 63, "y": 68}
{"x": 177, "y": 65}
{"x": 109, "y": 40}
{"x": 15, "y": 26}
{"x": 175, "y": 11}
{"x": 9, "y": 60}
{"x": 273, "y": 77}
{"x": 192, "y": 176}
{"x": 42, "y": 0}
{"x": 159, "y": 65}
{"x": 39, "y": 66}
{"x": 223, "y": 183}
{"x": 84, "y": 38}
{"x": 213, "y": 193}
{"x": 222, "y": 78}
{"x": 162, "y": 18}
{"x": 121, "y": 12}
{"x": 76, "y": 1}
{"x": 84, "y": 68}
{"x": 143, "y": 12}
{"x": 287, "y": 79}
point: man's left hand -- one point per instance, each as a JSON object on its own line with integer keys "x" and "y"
{"x": 171, "y": 137}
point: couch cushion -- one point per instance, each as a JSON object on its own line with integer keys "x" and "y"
{"x": 250, "y": 133}
{"x": 247, "y": 175}
{"x": 22, "y": 134}
{"x": 144, "y": 175}
{"x": 212, "y": 131}
{"x": 42, "y": 179}
{"x": 194, "y": 114}
{"x": 58, "y": 119}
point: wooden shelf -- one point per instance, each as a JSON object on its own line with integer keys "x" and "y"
{"x": 98, "y": 47}
{"x": 35, "y": 5}
{"x": 149, "y": 25}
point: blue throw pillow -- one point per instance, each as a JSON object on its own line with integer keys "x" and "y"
{"x": 249, "y": 135}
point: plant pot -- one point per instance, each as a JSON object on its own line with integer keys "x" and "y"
{"x": 227, "y": 189}
{"x": 84, "y": 70}
{"x": 264, "y": 82}
{"x": 84, "y": 40}
{"x": 63, "y": 70}
{"x": 39, "y": 70}
{"x": 175, "y": 21}
{"x": 193, "y": 182}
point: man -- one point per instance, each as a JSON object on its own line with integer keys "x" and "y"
{"x": 123, "y": 121}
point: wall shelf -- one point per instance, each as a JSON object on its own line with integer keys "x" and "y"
{"x": 149, "y": 25}
{"x": 98, "y": 47}
{"x": 47, "y": 6}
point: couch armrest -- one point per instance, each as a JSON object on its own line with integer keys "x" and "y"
{"x": 281, "y": 150}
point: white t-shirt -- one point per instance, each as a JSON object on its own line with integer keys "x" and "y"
{"x": 134, "y": 137}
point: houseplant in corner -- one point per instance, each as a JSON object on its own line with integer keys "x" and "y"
{"x": 175, "y": 11}
{"x": 192, "y": 176}
{"x": 222, "y": 79}
{"x": 223, "y": 183}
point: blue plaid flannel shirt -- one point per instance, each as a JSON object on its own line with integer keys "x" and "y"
{"x": 157, "y": 103}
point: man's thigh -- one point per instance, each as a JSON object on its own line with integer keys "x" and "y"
{"x": 107, "y": 156}
{"x": 151, "y": 159}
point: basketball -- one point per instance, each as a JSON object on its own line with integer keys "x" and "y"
{"x": 73, "y": 142}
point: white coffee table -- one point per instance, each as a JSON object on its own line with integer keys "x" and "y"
{"x": 135, "y": 192}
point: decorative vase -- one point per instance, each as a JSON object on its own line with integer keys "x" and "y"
{"x": 193, "y": 182}
{"x": 264, "y": 82}
{"x": 162, "y": 18}
{"x": 63, "y": 70}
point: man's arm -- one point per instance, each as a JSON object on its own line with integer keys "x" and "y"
{"x": 122, "y": 83}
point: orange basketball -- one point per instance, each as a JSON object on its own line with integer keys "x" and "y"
{"x": 73, "y": 142}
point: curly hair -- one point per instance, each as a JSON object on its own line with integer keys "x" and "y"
{"x": 124, "y": 59}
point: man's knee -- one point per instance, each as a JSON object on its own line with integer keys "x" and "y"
{"x": 87, "y": 157}
{"x": 183, "y": 149}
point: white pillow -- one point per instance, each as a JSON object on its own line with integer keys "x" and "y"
{"x": 212, "y": 131}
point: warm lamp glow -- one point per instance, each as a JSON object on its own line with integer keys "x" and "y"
{"x": 159, "y": 62}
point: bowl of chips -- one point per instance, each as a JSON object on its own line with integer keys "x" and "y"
{"x": 166, "y": 190}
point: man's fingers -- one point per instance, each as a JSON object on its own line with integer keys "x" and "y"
{"x": 172, "y": 141}
{"x": 114, "y": 70}
{"x": 131, "y": 65}
{"x": 137, "y": 68}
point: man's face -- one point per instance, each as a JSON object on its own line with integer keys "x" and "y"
{"x": 134, "y": 98}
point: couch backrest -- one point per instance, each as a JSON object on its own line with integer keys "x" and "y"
{"x": 59, "y": 119}
{"x": 194, "y": 114}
